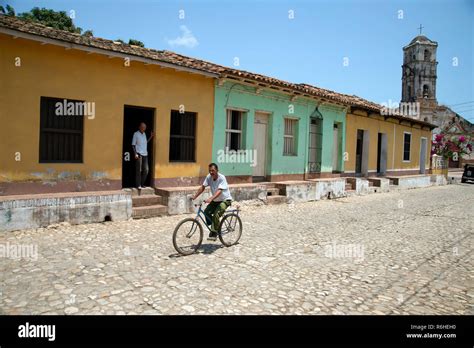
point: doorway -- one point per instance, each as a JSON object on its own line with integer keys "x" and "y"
{"x": 360, "y": 139}
{"x": 335, "y": 149}
{"x": 362, "y": 153}
{"x": 381, "y": 154}
{"x": 260, "y": 128}
{"x": 132, "y": 117}
{"x": 423, "y": 156}
{"x": 315, "y": 145}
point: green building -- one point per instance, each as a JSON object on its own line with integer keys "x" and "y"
{"x": 275, "y": 131}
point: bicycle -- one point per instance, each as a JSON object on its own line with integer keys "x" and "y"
{"x": 186, "y": 229}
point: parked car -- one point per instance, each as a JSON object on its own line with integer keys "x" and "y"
{"x": 468, "y": 173}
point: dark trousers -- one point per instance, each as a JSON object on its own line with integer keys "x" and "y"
{"x": 213, "y": 213}
{"x": 141, "y": 170}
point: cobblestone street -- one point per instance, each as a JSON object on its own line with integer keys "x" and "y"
{"x": 406, "y": 252}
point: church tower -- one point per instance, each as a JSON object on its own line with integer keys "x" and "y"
{"x": 419, "y": 75}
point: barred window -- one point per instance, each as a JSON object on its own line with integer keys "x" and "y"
{"x": 61, "y": 130}
{"x": 406, "y": 146}
{"x": 289, "y": 137}
{"x": 182, "y": 137}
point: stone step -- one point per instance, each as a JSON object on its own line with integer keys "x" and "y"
{"x": 374, "y": 182}
{"x": 273, "y": 191}
{"x": 142, "y": 192}
{"x": 373, "y": 189}
{"x": 147, "y": 200}
{"x": 258, "y": 179}
{"x": 350, "y": 193}
{"x": 149, "y": 211}
{"x": 348, "y": 187}
{"x": 277, "y": 199}
{"x": 269, "y": 185}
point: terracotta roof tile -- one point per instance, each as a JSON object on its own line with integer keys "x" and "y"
{"x": 173, "y": 58}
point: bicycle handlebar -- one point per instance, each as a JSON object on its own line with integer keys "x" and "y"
{"x": 237, "y": 206}
{"x": 197, "y": 205}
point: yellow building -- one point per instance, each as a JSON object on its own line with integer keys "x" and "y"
{"x": 385, "y": 144}
{"x": 43, "y": 69}
{"x": 70, "y": 105}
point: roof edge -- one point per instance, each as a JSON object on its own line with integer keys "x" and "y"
{"x": 102, "y": 51}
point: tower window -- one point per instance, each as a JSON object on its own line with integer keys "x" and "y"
{"x": 426, "y": 91}
{"x": 427, "y": 56}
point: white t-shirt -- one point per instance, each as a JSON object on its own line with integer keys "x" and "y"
{"x": 140, "y": 142}
{"x": 219, "y": 183}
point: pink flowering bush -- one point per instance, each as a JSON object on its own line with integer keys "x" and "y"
{"x": 448, "y": 146}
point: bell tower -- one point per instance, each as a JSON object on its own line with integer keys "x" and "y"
{"x": 419, "y": 75}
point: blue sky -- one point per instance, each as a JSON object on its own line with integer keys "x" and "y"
{"x": 309, "y": 48}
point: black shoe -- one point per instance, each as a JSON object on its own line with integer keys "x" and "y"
{"x": 212, "y": 236}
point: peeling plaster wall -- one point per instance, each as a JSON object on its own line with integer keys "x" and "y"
{"x": 32, "y": 211}
{"x": 52, "y": 71}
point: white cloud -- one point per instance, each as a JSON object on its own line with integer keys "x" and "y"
{"x": 187, "y": 39}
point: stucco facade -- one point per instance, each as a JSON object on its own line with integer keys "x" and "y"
{"x": 31, "y": 70}
{"x": 250, "y": 100}
{"x": 394, "y": 129}
{"x": 280, "y": 130}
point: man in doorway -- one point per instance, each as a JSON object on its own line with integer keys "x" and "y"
{"x": 139, "y": 144}
{"x": 220, "y": 200}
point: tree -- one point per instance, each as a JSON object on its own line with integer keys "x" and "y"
{"x": 55, "y": 19}
{"x": 132, "y": 42}
{"x": 136, "y": 43}
{"x": 8, "y": 10}
{"x": 88, "y": 33}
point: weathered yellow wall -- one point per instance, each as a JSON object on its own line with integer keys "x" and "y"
{"x": 394, "y": 131}
{"x": 53, "y": 71}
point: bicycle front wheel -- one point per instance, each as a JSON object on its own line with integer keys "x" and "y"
{"x": 230, "y": 229}
{"x": 187, "y": 236}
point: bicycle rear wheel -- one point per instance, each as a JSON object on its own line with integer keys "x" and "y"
{"x": 230, "y": 229}
{"x": 187, "y": 236}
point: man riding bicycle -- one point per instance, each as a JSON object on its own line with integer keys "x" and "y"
{"x": 220, "y": 200}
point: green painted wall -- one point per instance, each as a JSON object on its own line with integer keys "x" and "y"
{"x": 332, "y": 115}
{"x": 242, "y": 97}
